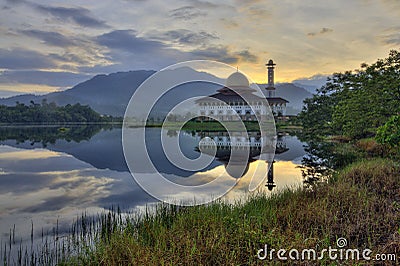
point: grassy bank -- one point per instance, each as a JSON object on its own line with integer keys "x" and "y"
{"x": 361, "y": 203}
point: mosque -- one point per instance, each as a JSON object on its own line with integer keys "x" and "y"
{"x": 247, "y": 146}
{"x": 236, "y": 89}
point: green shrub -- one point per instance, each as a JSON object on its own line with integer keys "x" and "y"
{"x": 389, "y": 133}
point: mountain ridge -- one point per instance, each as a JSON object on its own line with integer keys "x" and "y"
{"x": 109, "y": 94}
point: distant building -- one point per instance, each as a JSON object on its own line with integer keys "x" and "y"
{"x": 234, "y": 93}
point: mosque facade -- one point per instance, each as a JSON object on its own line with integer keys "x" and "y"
{"x": 238, "y": 101}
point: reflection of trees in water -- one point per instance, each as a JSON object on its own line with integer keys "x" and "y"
{"x": 322, "y": 157}
{"x": 172, "y": 133}
{"x": 317, "y": 163}
{"x": 50, "y": 134}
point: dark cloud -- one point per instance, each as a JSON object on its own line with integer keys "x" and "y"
{"x": 68, "y": 58}
{"x": 205, "y": 4}
{"x": 15, "y": 2}
{"x": 246, "y": 56}
{"x": 131, "y": 51}
{"x": 128, "y": 51}
{"x": 23, "y": 183}
{"x": 218, "y": 53}
{"x": 137, "y": 195}
{"x": 78, "y": 15}
{"x": 128, "y": 41}
{"x": 325, "y": 30}
{"x": 187, "y": 37}
{"x": 247, "y": 2}
{"x": 50, "y": 204}
{"x": 229, "y": 23}
{"x": 56, "y": 79}
{"x": 19, "y": 58}
{"x": 322, "y": 31}
{"x": 224, "y": 54}
{"x": 50, "y": 37}
{"x": 186, "y": 13}
{"x": 392, "y": 38}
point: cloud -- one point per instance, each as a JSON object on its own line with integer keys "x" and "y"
{"x": 256, "y": 12}
{"x": 186, "y": 13}
{"x": 218, "y": 53}
{"x": 15, "y": 2}
{"x": 128, "y": 41}
{"x": 18, "y": 58}
{"x": 391, "y": 36}
{"x": 128, "y": 51}
{"x": 247, "y": 2}
{"x": 56, "y": 79}
{"x": 203, "y": 4}
{"x": 78, "y": 15}
{"x": 392, "y": 39}
{"x": 229, "y": 23}
{"x": 322, "y": 31}
{"x": 325, "y": 30}
{"x": 246, "y": 56}
{"x": 224, "y": 54}
{"x": 316, "y": 81}
{"x": 208, "y": 5}
{"x": 50, "y": 37}
{"x": 187, "y": 37}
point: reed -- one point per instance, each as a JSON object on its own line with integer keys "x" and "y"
{"x": 360, "y": 203}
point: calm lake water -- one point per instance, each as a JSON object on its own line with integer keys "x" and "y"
{"x": 49, "y": 175}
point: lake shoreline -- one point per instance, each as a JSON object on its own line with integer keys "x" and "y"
{"x": 232, "y": 234}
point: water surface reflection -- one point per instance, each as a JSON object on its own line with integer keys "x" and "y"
{"x": 52, "y": 177}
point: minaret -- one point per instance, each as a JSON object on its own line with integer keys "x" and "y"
{"x": 270, "y": 181}
{"x": 271, "y": 86}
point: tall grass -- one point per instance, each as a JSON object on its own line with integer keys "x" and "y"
{"x": 361, "y": 203}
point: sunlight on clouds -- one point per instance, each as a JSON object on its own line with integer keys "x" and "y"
{"x": 75, "y": 190}
{"x": 44, "y": 196}
{"x": 30, "y": 154}
{"x": 286, "y": 175}
{"x": 304, "y": 38}
{"x": 37, "y": 89}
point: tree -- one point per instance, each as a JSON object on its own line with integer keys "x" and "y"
{"x": 355, "y": 103}
{"x": 389, "y": 133}
{"x": 49, "y": 113}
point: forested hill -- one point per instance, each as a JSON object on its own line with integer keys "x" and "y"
{"x": 49, "y": 113}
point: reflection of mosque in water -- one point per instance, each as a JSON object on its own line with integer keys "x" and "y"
{"x": 237, "y": 151}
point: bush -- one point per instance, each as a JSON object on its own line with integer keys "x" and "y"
{"x": 389, "y": 133}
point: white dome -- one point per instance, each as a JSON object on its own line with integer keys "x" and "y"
{"x": 237, "y": 170}
{"x": 237, "y": 79}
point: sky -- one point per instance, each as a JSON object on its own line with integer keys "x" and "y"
{"x": 49, "y": 46}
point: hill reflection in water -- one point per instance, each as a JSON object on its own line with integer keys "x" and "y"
{"x": 51, "y": 176}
